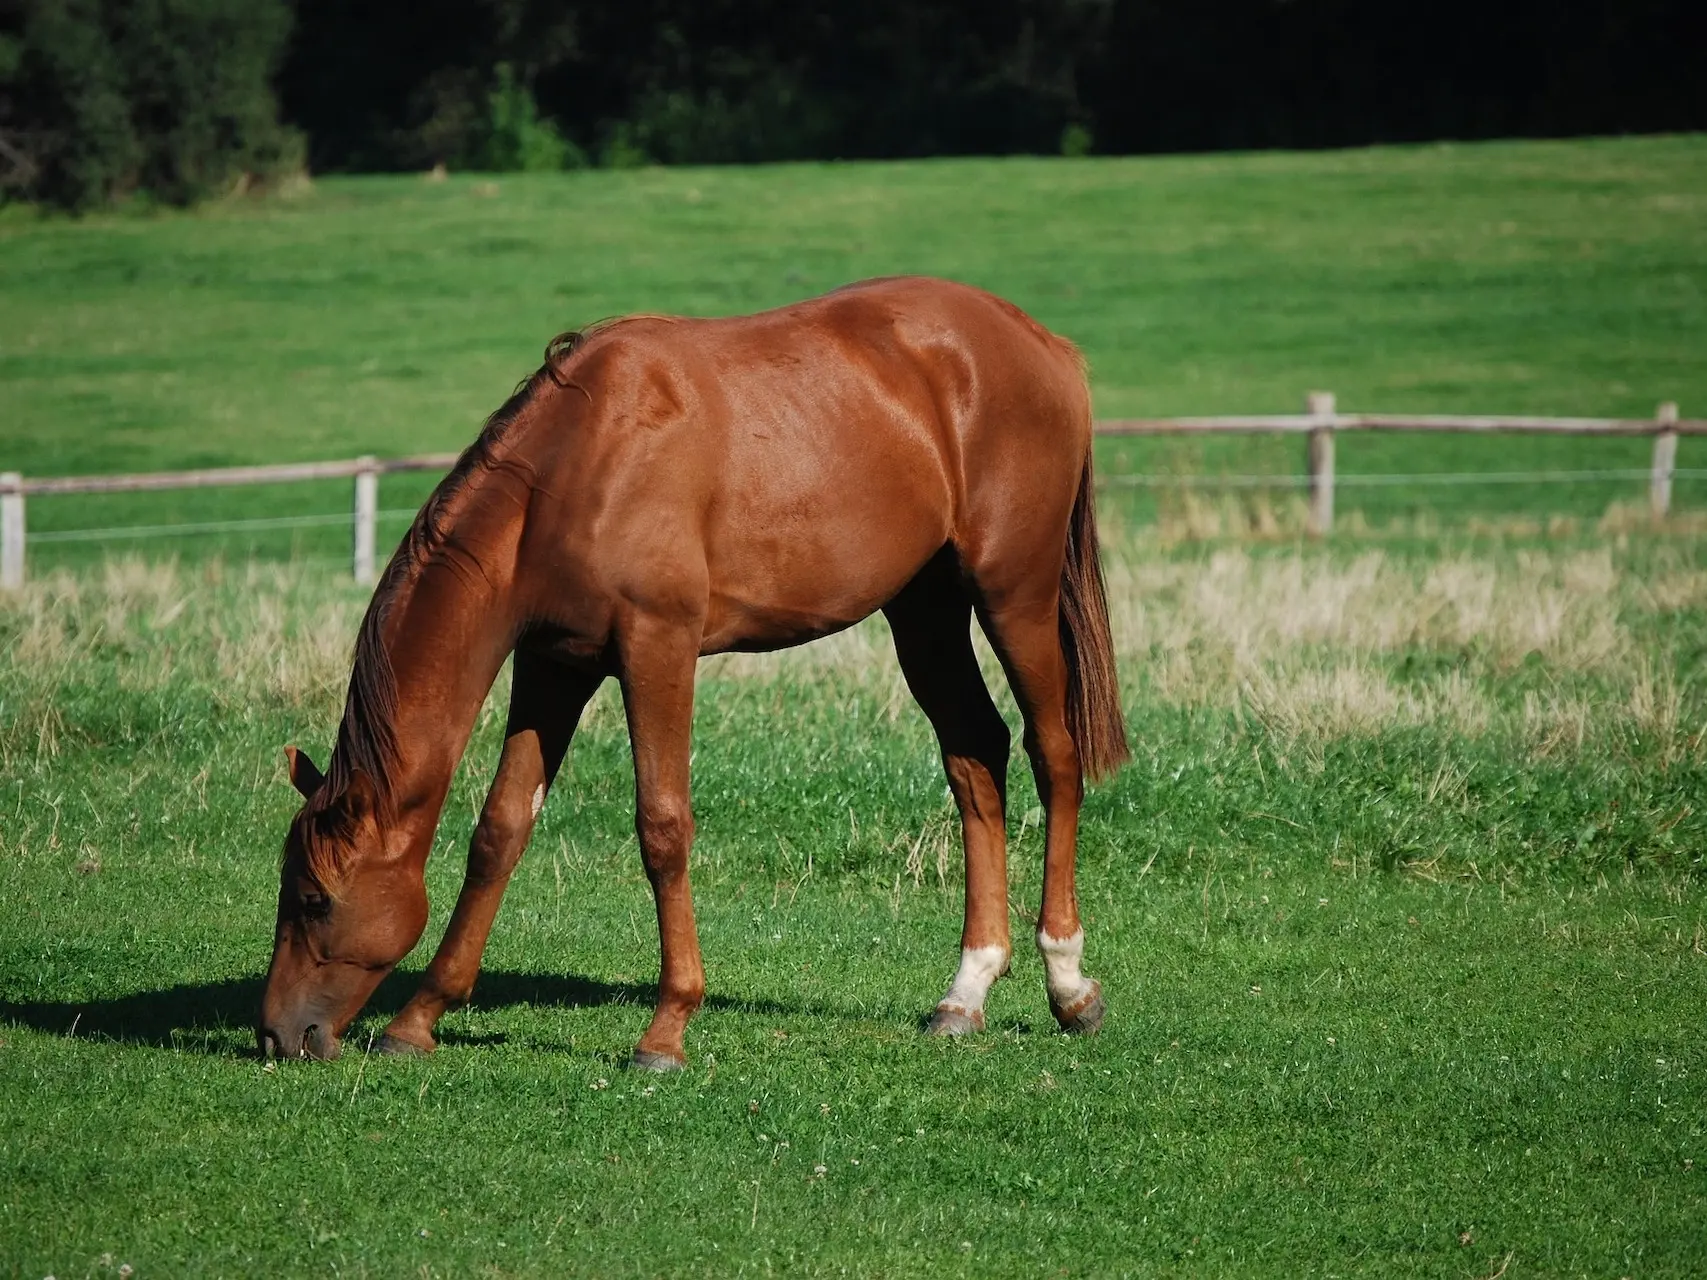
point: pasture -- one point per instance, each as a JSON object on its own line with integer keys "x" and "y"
{"x": 1398, "y": 908}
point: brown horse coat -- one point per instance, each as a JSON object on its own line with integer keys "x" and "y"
{"x": 665, "y": 488}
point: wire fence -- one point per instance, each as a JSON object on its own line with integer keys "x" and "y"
{"x": 1119, "y": 480}
{"x": 1354, "y": 480}
{"x": 258, "y": 524}
{"x": 1320, "y": 424}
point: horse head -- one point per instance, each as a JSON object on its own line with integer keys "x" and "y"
{"x": 349, "y": 909}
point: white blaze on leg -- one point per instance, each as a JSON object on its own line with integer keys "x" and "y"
{"x": 538, "y": 799}
{"x": 979, "y": 969}
{"x": 1067, "y": 986}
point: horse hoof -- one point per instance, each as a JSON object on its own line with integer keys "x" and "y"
{"x": 955, "y": 1022}
{"x": 396, "y": 1047}
{"x": 1084, "y": 1017}
{"x": 648, "y": 1060}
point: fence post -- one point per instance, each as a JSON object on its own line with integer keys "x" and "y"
{"x": 1665, "y": 461}
{"x": 367, "y": 512}
{"x": 11, "y": 530}
{"x": 1319, "y": 461}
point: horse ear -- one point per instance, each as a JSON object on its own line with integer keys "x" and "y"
{"x": 305, "y": 775}
{"x": 359, "y": 797}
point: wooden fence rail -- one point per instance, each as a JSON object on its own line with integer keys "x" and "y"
{"x": 1319, "y": 424}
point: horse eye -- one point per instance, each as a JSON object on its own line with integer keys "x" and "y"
{"x": 316, "y": 906}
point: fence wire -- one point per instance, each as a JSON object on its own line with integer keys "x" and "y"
{"x": 1352, "y": 480}
{"x": 1373, "y": 480}
{"x": 116, "y": 533}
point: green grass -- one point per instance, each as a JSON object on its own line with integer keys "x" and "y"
{"x": 1406, "y": 956}
{"x": 1398, "y": 908}
{"x": 391, "y": 314}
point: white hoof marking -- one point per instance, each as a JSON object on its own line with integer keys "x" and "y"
{"x": 1061, "y": 958}
{"x": 538, "y": 799}
{"x": 979, "y": 969}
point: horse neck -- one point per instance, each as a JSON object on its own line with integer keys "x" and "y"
{"x": 446, "y": 634}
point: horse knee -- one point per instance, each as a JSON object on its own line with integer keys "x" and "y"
{"x": 455, "y": 991}
{"x": 688, "y": 992}
{"x": 499, "y": 837}
{"x": 665, "y": 828}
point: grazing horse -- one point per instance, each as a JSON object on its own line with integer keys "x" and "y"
{"x": 665, "y": 488}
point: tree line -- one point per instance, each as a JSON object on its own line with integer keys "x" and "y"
{"x": 173, "y": 99}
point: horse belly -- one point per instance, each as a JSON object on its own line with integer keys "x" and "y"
{"x": 792, "y": 563}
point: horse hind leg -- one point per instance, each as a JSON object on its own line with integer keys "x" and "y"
{"x": 1026, "y": 636}
{"x": 546, "y": 701}
{"x": 931, "y": 621}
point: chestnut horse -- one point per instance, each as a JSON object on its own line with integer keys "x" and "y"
{"x": 667, "y": 488}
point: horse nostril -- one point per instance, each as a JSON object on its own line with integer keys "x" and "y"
{"x": 319, "y": 1043}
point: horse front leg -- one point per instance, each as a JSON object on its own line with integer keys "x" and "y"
{"x": 657, "y": 688}
{"x": 546, "y": 701}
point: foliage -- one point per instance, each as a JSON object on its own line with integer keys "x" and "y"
{"x": 172, "y": 98}
{"x": 622, "y": 149}
{"x": 767, "y": 117}
{"x": 516, "y": 139}
{"x": 702, "y": 82}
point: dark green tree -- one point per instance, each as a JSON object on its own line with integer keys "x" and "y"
{"x": 100, "y": 99}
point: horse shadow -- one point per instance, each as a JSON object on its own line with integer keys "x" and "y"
{"x": 217, "y": 1017}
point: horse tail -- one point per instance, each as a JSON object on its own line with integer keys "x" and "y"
{"x": 1094, "y": 717}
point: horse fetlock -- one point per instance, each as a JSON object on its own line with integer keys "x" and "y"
{"x": 392, "y": 1045}
{"x": 961, "y": 1010}
{"x": 1061, "y": 959}
{"x": 1075, "y": 1000}
{"x": 410, "y": 1032}
{"x": 661, "y": 1049}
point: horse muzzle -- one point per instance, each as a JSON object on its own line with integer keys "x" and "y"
{"x": 314, "y": 1041}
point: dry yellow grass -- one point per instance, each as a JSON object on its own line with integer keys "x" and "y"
{"x": 277, "y": 630}
{"x": 1235, "y": 609}
{"x": 1309, "y": 642}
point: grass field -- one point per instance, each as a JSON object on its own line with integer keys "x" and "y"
{"x": 391, "y": 315}
{"x": 1398, "y": 908}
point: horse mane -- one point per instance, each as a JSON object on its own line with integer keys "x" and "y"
{"x": 367, "y": 734}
